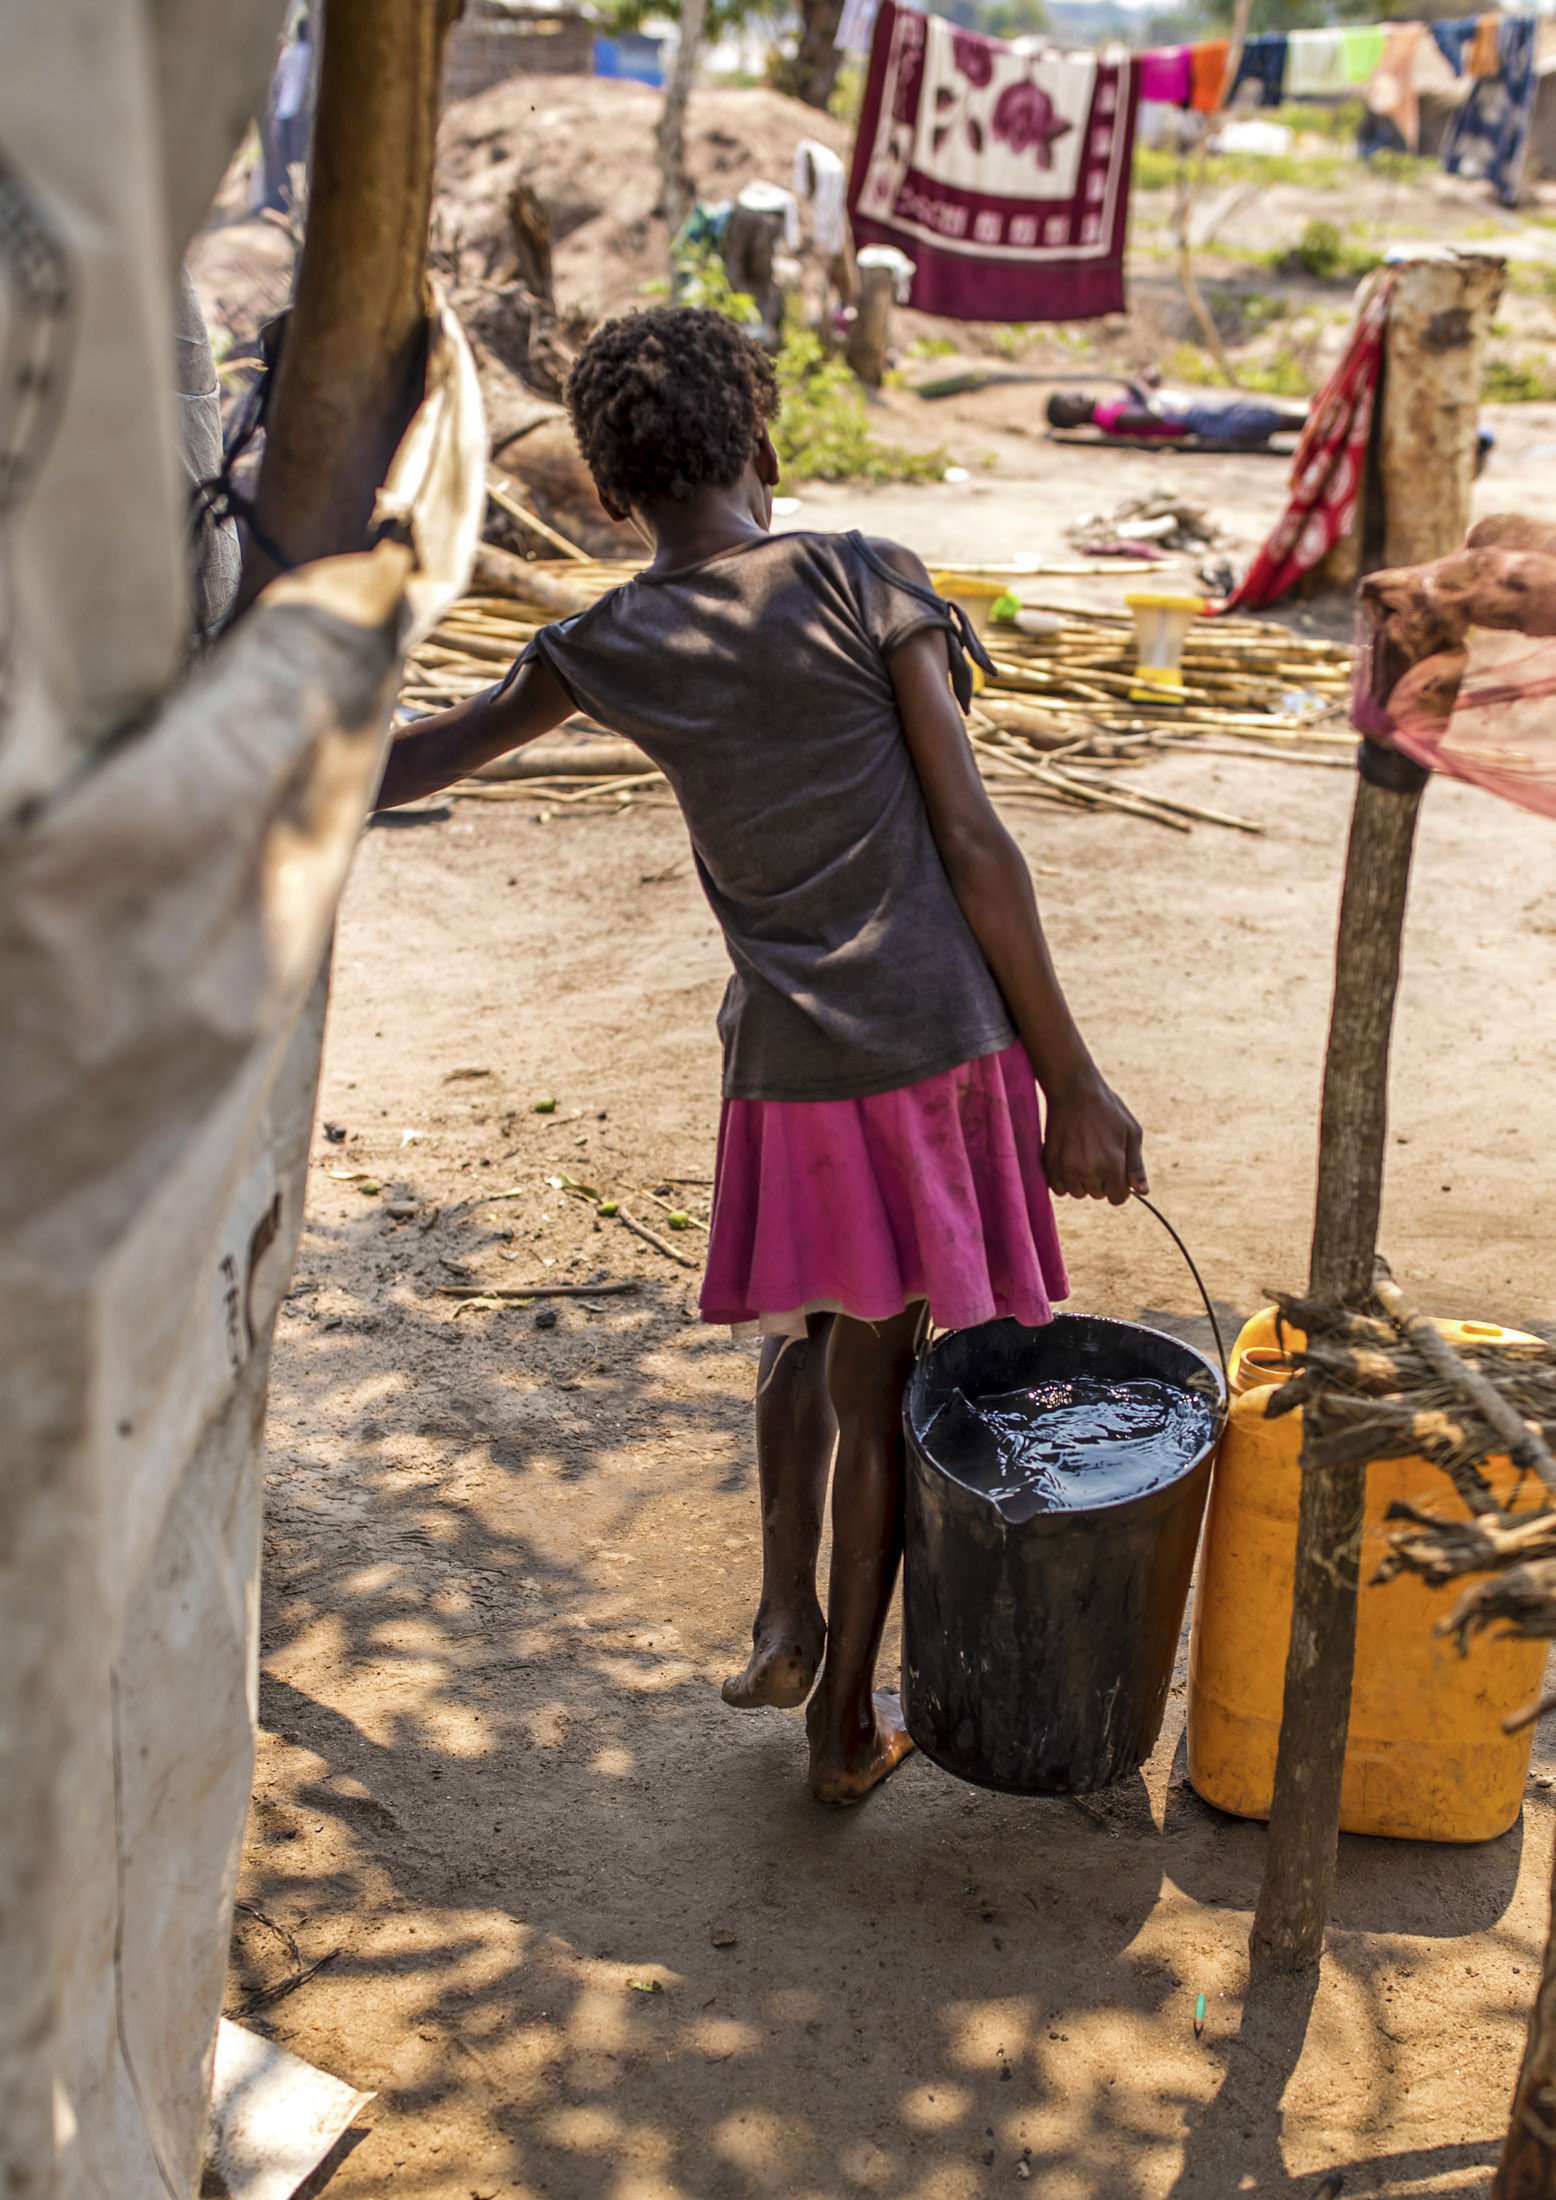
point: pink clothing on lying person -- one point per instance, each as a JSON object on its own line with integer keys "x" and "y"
{"x": 1106, "y": 417}
{"x": 934, "y": 1191}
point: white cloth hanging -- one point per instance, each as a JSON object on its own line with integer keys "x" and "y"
{"x": 819, "y": 176}
{"x": 856, "y": 27}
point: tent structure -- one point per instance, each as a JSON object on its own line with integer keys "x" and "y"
{"x": 174, "y": 835}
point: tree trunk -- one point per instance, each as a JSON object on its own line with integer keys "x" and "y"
{"x": 1527, "y": 2170}
{"x": 678, "y": 192}
{"x": 1440, "y": 315}
{"x": 1305, "y": 1813}
{"x": 812, "y": 74}
{"x": 350, "y": 370}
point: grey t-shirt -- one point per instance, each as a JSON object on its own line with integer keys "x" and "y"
{"x": 757, "y": 682}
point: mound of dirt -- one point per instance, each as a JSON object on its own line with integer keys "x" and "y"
{"x": 586, "y": 146}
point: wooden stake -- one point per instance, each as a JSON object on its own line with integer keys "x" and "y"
{"x": 351, "y": 367}
{"x": 1527, "y": 2170}
{"x": 1293, "y": 1909}
{"x": 1427, "y": 440}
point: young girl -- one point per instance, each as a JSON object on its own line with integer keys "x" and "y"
{"x": 881, "y": 1159}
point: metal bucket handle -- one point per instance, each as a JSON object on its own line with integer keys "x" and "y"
{"x": 1215, "y": 1326}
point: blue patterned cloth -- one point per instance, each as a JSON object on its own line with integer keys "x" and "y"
{"x": 1491, "y": 130}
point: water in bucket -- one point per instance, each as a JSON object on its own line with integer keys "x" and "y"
{"x": 1070, "y": 1443}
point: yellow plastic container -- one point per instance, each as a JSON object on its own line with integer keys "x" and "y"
{"x": 975, "y": 592}
{"x": 1426, "y": 1758}
{"x": 1162, "y": 620}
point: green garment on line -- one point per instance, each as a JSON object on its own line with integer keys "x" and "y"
{"x": 1361, "y": 49}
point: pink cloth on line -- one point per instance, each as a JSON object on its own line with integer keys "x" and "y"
{"x": 1166, "y": 75}
{"x": 933, "y": 1191}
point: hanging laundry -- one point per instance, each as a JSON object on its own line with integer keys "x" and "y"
{"x": 1483, "y": 58}
{"x": 1361, "y": 49}
{"x": 1002, "y": 171}
{"x": 1392, "y": 90}
{"x": 1452, "y": 39}
{"x": 1315, "y": 64}
{"x": 1264, "y": 64}
{"x": 1166, "y": 76}
{"x": 1207, "y": 74}
{"x": 1328, "y": 468}
{"x": 1490, "y": 135}
{"x": 819, "y": 176}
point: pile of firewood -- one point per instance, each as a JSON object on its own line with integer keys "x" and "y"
{"x": 1057, "y": 724}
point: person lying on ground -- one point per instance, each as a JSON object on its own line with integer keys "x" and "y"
{"x": 893, "y": 1009}
{"x": 1203, "y": 416}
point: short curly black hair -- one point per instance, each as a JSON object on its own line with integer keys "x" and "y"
{"x": 667, "y": 402}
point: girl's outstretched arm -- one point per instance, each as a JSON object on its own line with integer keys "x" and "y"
{"x": 1092, "y": 1144}
{"x": 436, "y": 751}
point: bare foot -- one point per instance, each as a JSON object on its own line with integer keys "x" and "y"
{"x": 781, "y": 1670}
{"x": 845, "y": 1772}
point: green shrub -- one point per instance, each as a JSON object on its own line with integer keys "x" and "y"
{"x": 822, "y": 434}
{"x": 1517, "y": 382}
{"x": 1160, "y": 171}
{"x": 1285, "y": 376}
{"x": 1323, "y": 252}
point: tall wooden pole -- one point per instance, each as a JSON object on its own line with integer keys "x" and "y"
{"x": 1293, "y": 1908}
{"x": 350, "y": 372}
{"x": 1439, "y": 315}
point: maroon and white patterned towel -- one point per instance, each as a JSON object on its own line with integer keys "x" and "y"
{"x": 1002, "y": 171}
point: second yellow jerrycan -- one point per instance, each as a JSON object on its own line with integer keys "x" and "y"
{"x": 1426, "y": 1758}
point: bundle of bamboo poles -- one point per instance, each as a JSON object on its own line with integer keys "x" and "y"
{"x": 1056, "y": 724}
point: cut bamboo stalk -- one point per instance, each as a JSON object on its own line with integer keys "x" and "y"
{"x": 505, "y": 501}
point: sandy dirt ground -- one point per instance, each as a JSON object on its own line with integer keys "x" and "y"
{"x": 587, "y": 1935}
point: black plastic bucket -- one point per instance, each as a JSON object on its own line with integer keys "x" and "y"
{"x": 1037, "y": 1658}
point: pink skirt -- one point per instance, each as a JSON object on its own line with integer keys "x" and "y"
{"x": 935, "y": 1191}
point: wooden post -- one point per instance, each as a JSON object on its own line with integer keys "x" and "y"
{"x": 1527, "y": 2170}
{"x": 869, "y": 340}
{"x": 1293, "y": 1908}
{"x": 350, "y": 371}
{"x": 1440, "y": 314}
{"x": 1444, "y": 308}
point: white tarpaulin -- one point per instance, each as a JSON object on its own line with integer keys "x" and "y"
{"x": 273, "y": 2118}
{"x": 170, "y": 862}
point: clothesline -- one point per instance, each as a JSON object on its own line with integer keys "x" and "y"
{"x": 1002, "y": 169}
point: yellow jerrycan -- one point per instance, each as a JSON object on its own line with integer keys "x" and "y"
{"x": 1425, "y": 1757}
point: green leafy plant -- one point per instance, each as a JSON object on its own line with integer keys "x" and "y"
{"x": 1324, "y": 252}
{"x": 1286, "y": 375}
{"x": 1283, "y": 376}
{"x": 1517, "y": 382}
{"x": 822, "y": 433}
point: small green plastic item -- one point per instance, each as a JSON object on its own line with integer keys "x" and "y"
{"x": 1004, "y": 608}
{"x": 545, "y": 1107}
